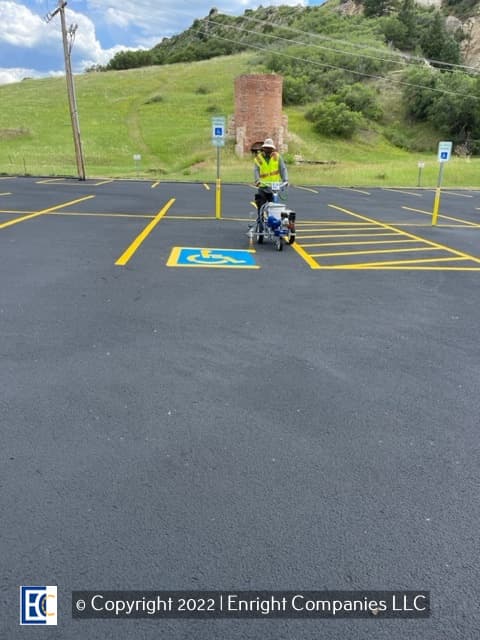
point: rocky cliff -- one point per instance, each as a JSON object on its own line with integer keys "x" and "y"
{"x": 470, "y": 26}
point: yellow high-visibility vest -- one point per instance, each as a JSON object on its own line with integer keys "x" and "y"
{"x": 269, "y": 170}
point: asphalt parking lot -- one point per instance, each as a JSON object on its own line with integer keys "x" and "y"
{"x": 193, "y": 423}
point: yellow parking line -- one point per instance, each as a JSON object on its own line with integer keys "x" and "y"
{"x": 48, "y": 180}
{"x": 366, "y": 193}
{"x": 409, "y": 193}
{"x": 460, "y": 195}
{"x": 348, "y": 235}
{"x": 155, "y": 184}
{"x": 429, "y": 225}
{"x": 355, "y": 225}
{"x": 40, "y": 213}
{"x": 410, "y": 235}
{"x": 327, "y": 229}
{"x": 307, "y": 189}
{"x": 360, "y": 265}
{"x": 15, "y": 211}
{"x": 130, "y": 250}
{"x": 409, "y": 267}
{"x": 429, "y": 213}
{"x": 370, "y": 251}
{"x": 103, "y": 215}
{"x": 341, "y": 244}
{"x": 212, "y": 217}
{"x": 7, "y": 193}
{"x": 98, "y": 184}
{"x": 313, "y": 264}
{"x": 207, "y": 187}
{"x": 93, "y": 214}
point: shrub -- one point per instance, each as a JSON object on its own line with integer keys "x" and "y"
{"x": 335, "y": 118}
{"x": 154, "y": 99}
{"x": 297, "y": 90}
{"x": 361, "y": 98}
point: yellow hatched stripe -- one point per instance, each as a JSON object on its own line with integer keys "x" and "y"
{"x": 371, "y": 251}
{"x": 409, "y": 235}
{"x": 341, "y": 244}
{"x": 358, "y": 265}
{"x": 345, "y": 235}
{"x": 313, "y": 264}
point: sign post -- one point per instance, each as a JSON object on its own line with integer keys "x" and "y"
{"x": 218, "y": 140}
{"x": 421, "y": 166}
{"x": 444, "y": 153}
{"x": 136, "y": 158}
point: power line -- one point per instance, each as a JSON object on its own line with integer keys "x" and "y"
{"x": 339, "y": 68}
{"x": 306, "y": 44}
{"x": 352, "y": 44}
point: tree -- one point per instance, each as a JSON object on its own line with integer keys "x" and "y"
{"x": 419, "y": 92}
{"x": 407, "y": 17}
{"x": 456, "y": 112}
{"x": 395, "y": 32}
{"x": 376, "y": 8}
{"x": 437, "y": 44}
{"x": 130, "y": 60}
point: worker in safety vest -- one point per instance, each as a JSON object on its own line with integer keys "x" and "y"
{"x": 268, "y": 167}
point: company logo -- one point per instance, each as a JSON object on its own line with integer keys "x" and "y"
{"x": 38, "y": 605}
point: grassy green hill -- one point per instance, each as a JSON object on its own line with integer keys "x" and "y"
{"x": 164, "y": 114}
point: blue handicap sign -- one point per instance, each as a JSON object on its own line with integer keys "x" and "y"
{"x": 444, "y": 155}
{"x": 203, "y": 257}
{"x": 219, "y": 131}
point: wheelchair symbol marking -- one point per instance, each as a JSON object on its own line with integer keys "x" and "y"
{"x": 201, "y": 257}
{"x": 207, "y": 256}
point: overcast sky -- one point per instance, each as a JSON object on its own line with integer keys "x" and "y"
{"x": 31, "y": 47}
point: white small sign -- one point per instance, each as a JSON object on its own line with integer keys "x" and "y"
{"x": 218, "y": 127}
{"x": 444, "y": 151}
{"x": 137, "y": 157}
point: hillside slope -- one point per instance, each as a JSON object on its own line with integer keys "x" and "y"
{"x": 163, "y": 113}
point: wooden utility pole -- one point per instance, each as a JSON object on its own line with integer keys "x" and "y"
{"x": 72, "y": 101}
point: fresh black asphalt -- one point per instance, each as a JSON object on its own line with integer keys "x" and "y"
{"x": 283, "y": 428}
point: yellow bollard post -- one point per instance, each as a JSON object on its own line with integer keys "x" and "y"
{"x": 436, "y": 206}
{"x": 436, "y": 202}
{"x": 218, "y": 199}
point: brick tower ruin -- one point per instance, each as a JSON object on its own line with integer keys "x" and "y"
{"x": 258, "y": 112}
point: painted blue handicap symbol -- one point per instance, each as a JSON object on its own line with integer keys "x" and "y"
{"x": 201, "y": 257}
{"x": 219, "y": 131}
{"x": 443, "y": 155}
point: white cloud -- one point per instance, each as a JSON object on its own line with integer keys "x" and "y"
{"x": 8, "y": 76}
{"x": 22, "y": 28}
{"x": 35, "y": 49}
{"x": 157, "y": 20}
{"x": 118, "y": 18}
{"x": 87, "y": 49}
